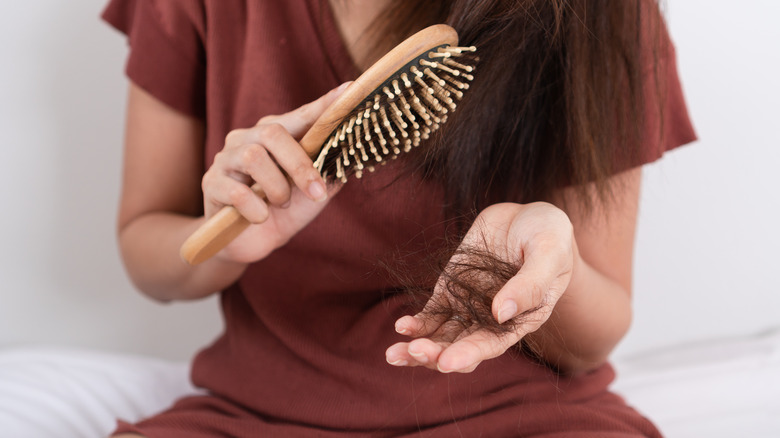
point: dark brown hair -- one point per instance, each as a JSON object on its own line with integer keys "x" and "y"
{"x": 557, "y": 99}
{"x": 468, "y": 276}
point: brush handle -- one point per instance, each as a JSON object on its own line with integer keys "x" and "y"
{"x": 217, "y": 232}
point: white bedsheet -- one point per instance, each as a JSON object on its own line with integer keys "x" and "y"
{"x": 51, "y": 392}
{"x": 715, "y": 390}
{"x": 721, "y": 389}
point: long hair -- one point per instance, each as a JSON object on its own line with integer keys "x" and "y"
{"x": 557, "y": 98}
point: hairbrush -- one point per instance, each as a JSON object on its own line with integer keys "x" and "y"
{"x": 391, "y": 108}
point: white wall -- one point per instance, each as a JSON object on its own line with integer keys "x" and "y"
{"x": 62, "y": 91}
{"x": 706, "y": 250}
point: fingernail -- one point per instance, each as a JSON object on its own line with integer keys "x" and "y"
{"x": 317, "y": 191}
{"x": 443, "y": 370}
{"x": 507, "y": 311}
{"x": 456, "y": 365}
{"x": 398, "y": 363}
{"x": 419, "y": 356}
{"x": 401, "y": 329}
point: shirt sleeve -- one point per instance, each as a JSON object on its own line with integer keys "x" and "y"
{"x": 167, "y": 50}
{"x": 667, "y": 124}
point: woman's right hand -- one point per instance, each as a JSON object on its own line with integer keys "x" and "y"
{"x": 265, "y": 154}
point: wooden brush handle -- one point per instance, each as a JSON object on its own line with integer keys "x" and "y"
{"x": 216, "y": 233}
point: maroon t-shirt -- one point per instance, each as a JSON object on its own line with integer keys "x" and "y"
{"x": 306, "y": 328}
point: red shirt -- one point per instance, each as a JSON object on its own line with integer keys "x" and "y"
{"x": 306, "y": 328}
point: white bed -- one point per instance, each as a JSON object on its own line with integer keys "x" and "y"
{"x": 717, "y": 389}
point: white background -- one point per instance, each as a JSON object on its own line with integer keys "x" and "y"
{"x": 706, "y": 258}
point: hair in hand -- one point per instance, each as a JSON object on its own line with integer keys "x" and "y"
{"x": 469, "y": 276}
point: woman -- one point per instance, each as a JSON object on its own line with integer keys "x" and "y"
{"x": 571, "y": 98}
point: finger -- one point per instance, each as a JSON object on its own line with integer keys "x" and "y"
{"x": 291, "y": 157}
{"x": 275, "y": 140}
{"x": 467, "y": 353}
{"x": 425, "y": 351}
{"x": 421, "y": 324}
{"x": 420, "y": 352}
{"x": 253, "y": 160}
{"x": 236, "y": 138}
{"x": 300, "y": 120}
{"x": 398, "y": 354}
{"x": 228, "y": 191}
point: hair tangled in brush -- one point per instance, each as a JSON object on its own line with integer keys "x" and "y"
{"x": 558, "y": 99}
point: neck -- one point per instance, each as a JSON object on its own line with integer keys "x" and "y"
{"x": 354, "y": 19}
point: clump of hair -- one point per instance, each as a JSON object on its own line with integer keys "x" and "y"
{"x": 470, "y": 277}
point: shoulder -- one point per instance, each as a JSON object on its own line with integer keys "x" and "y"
{"x": 174, "y": 18}
{"x": 167, "y": 49}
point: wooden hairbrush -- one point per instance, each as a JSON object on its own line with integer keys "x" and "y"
{"x": 397, "y": 103}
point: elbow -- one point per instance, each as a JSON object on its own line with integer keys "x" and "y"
{"x": 591, "y": 349}
{"x": 133, "y": 264}
{"x": 573, "y": 365}
{"x": 145, "y": 287}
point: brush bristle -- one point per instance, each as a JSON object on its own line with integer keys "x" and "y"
{"x": 401, "y": 113}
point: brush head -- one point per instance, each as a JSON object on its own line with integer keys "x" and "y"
{"x": 399, "y": 114}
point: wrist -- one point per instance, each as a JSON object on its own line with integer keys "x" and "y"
{"x": 579, "y": 270}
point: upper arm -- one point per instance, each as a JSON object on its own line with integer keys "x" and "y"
{"x": 163, "y": 160}
{"x": 605, "y": 234}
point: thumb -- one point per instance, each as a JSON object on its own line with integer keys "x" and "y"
{"x": 528, "y": 291}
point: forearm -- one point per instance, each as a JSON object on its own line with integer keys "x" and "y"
{"x": 586, "y": 324}
{"x": 150, "y": 250}
{"x": 595, "y": 311}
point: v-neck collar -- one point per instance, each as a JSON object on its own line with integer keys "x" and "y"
{"x": 338, "y": 57}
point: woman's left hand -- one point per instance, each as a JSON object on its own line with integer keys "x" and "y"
{"x": 539, "y": 234}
